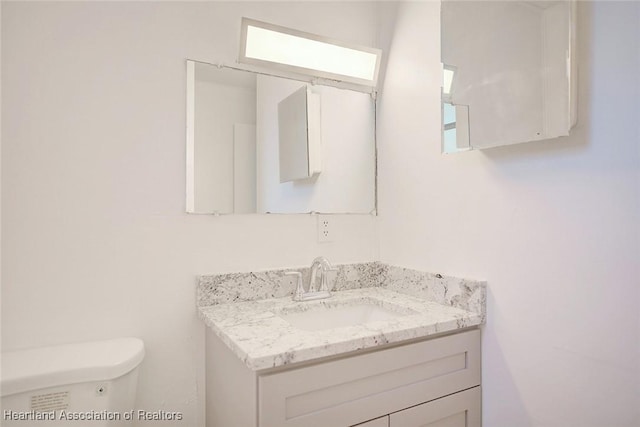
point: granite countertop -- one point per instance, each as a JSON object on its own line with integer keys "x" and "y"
{"x": 255, "y": 332}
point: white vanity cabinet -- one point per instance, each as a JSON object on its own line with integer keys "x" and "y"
{"x": 434, "y": 382}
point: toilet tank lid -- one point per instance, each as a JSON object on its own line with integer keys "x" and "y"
{"x": 43, "y": 367}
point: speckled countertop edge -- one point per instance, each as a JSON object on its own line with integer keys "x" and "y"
{"x": 262, "y": 339}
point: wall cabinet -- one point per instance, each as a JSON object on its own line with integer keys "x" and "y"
{"x": 432, "y": 383}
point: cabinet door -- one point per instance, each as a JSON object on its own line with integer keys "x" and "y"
{"x": 457, "y": 410}
{"x": 378, "y": 422}
{"x": 346, "y": 391}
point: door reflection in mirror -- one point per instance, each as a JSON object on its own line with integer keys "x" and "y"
{"x": 455, "y": 128}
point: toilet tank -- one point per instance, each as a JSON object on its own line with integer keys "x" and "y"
{"x": 89, "y": 384}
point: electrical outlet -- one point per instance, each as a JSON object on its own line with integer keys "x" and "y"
{"x": 325, "y": 229}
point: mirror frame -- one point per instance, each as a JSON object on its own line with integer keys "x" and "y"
{"x": 190, "y": 134}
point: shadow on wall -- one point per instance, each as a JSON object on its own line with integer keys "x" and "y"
{"x": 495, "y": 361}
{"x": 607, "y": 109}
{"x": 388, "y": 12}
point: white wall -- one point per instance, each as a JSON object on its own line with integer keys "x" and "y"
{"x": 95, "y": 240}
{"x": 552, "y": 225}
{"x": 347, "y": 180}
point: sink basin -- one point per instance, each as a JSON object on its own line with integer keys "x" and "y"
{"x": 329, "y": 316}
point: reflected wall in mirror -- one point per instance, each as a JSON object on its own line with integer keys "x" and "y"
{"x": 512, "y": 65}
{"x": 233, "y": 146}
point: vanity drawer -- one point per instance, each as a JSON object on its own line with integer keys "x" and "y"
{"x": 350, "y": 390}
{"x": 462, "y": 409}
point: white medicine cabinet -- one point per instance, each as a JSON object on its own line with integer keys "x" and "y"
{"x": 509, "y": 72}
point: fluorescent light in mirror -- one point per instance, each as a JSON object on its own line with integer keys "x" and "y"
{"x": 447, "y": 77}
{"x": 291, "y": 50}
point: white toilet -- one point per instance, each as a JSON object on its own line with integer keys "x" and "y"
{"x": 89, "y": 384}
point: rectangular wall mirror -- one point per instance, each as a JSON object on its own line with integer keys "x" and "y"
{"x": 234, "y": 146}
{"x": 509, "y": 72}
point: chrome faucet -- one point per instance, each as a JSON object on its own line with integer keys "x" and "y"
{"x": 319, "y": 266}
{"x": 324, "y": 265}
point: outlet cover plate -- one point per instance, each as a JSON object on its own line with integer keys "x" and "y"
{"x": 325, "y": 229}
